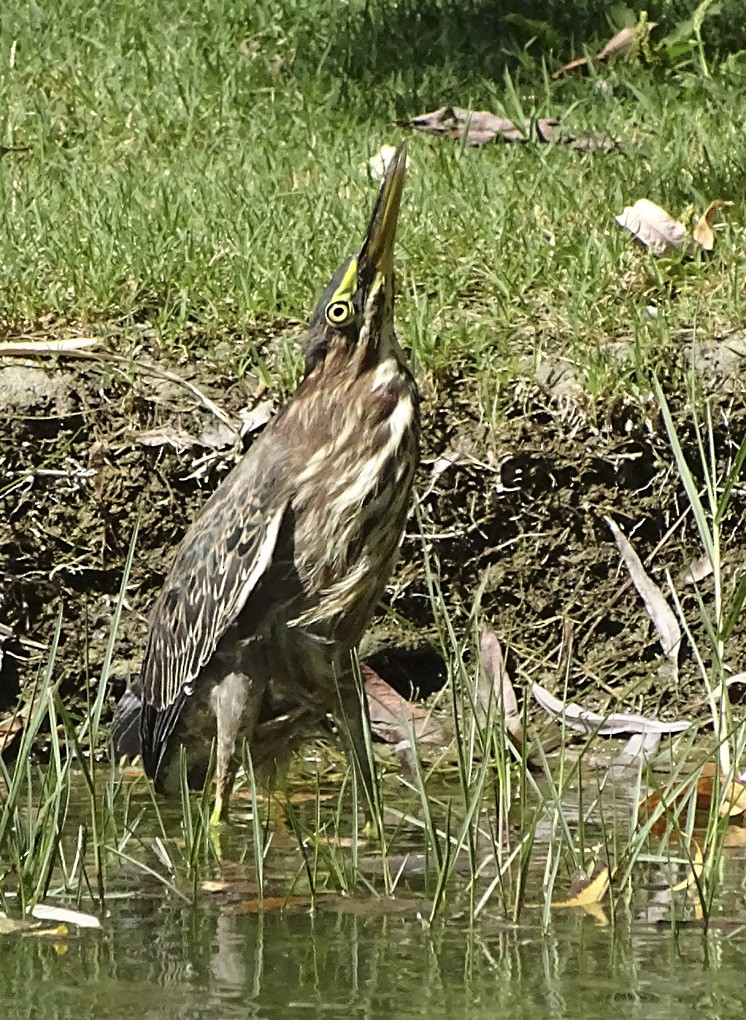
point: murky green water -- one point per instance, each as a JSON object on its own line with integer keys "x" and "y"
{"x": 161, "y": 957}
{"x": 155, "y": 959}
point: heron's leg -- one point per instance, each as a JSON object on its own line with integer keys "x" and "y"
{"x": 354, "y": 721}
{"x": 236, "y": 701}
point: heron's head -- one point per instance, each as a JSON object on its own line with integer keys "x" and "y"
{"x": 357, "y": 306}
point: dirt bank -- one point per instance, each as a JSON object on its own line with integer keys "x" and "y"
{"x": 512, "y": 513}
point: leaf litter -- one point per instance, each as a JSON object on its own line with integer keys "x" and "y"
{"x": 658, "y": 231}
{"x": 617, "y": 46}
{"x": 481, "y": 127}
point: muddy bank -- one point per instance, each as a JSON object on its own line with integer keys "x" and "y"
{"x": 512, "y": 514}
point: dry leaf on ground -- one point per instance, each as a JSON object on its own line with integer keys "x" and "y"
{"x": 394, "y": 720}
{"x": 582, "y": 720}
{"x": 697, "y": 570}
{"x": 664, "y": 620}
{"x": 703, "y": 233}
{"x": 479, "y": 127}
{"x": 30, "y": 348}
{"x": 652, "y": 226}
{"x": 617, "y": 45}
{"x": 495, "y": 691}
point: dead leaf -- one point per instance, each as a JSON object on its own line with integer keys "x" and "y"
{"x": 270, "y": 903}
{"x": 440, "y": 465}
{"x": 393, "y": 719}
{"x": 652, "y": 226}
{"x": 664, "y": 620}
{"x": 697, "y": 571}
{"x": 593, "y": 892}
{"x": 582, "y": 720}
{"x": 253, "y": 419}
{"x": 378, "y": 164}
{"x": 166, "y": 435}
{"x": 239, "y": 887}
{"x": 495, "y": 691}
{"x": 11, "y": 925}
{"x": 588, "y": 899}
{"x": 47, "y": 912}
{"x": 703, "y": 785}
{"x": 703, "y": 233}
{"x": 640, "y": 748}
{"x": 617, "y": 45}
{"x": 11, "y": 729}
{"x": 694, "y": 873}
{"x": 479, "y": 127}
{"x": 30, "y": 348}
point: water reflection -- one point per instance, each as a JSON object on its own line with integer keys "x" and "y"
{"x": 157, "y": 959}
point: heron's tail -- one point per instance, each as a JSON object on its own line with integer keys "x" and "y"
{"x": 125, "y": 726}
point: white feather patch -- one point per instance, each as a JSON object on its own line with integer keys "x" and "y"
{"x": 263, "y": 559}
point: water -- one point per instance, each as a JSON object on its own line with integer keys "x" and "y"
{"x": 157, "y": 955}
{"x": 155, "y": 958}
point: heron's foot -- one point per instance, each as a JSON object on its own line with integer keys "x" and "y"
{"x": 220, "y": 810}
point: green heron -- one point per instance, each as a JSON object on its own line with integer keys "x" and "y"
{"x": 254, "y": 632}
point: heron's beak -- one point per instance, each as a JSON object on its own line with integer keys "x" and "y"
{"x": 377, "y": 253}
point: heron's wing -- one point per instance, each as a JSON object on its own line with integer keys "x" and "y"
{"x": 219, "y": 563}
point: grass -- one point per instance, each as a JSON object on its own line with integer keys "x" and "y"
{"x": 195, "y": 173}
{"x": 202, "y": 169}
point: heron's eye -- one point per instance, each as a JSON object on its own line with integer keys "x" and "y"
{"x": 340, "y": 313}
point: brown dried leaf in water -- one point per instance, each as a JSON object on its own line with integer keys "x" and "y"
{"x": 695, "y": 873}
{"x": 495, "y": 691}
{"x": 270, "y": 903}
{"x": 582, "y": 720}
{"x": 664, "y": 620}
{"x": 652, "y": 226}
{"x": 703, "y": 233}
{"x": 703, "y": 785}
{"x": 393, "y": 719}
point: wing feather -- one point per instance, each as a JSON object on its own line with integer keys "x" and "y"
{"x": 223, "y": 556}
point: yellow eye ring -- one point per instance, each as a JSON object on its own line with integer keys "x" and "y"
{"x": 340, "y": 313}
